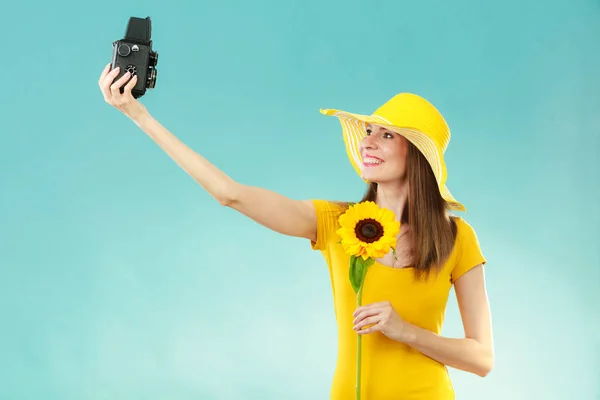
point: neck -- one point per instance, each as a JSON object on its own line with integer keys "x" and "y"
{"x": 393, "y": 197}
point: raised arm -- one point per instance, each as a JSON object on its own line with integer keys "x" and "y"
{"x": 270, "y": 209}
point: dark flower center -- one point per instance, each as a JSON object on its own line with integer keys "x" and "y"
{"x": 368, "y": 230}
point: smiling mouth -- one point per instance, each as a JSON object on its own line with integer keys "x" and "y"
{"x": 372, "y": 161}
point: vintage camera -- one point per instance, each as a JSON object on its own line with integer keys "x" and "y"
{"x": 134, "y": 53}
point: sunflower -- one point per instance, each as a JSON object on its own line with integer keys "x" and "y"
{"x": 367, "y": 230}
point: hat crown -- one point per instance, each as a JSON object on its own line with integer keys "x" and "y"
{"x": 407, "y": 110}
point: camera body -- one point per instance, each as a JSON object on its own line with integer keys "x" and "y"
{"x": 133, "y": 53}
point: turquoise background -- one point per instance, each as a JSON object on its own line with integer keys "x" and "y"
{"x": 120, "y": 278}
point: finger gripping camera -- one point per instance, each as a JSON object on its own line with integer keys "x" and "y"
{"x": 134, "y": 54}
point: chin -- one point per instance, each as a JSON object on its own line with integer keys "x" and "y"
{"x": 380, "y": 177}
{"x": 380, "y": 174}
{"x": 375, "y": 178}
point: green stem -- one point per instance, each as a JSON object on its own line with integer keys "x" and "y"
{"x": 358, "y": 347}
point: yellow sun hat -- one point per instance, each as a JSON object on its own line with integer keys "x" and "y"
{"x": 412, "y": 117}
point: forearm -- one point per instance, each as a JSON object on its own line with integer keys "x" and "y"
{"x": 268, "y": 208}
{"x": 212, "y": 179}
{"x": 465, "y": 354}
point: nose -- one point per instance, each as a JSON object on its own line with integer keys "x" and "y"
{"x": 368, "y": 142}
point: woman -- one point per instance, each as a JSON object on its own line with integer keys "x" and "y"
{"x": 399, "y": 151}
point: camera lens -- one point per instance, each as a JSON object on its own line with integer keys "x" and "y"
{"x": 152, "y": 78}
{"x": 153, "y": 59}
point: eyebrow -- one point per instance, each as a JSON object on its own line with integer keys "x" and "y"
{"x": 367, "y": 126}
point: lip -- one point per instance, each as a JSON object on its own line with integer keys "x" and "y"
{"x": 370, "y": 156}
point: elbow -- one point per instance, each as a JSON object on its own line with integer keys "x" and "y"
{"x": 486, "y": 365}
{"x": 484, "y": 370}
{"x": 225, "y": 201}
{"x": 228, "y": 196}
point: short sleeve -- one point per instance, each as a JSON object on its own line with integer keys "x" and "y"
{"x": 327, "y": 213}
{"x": 469, "y": 253}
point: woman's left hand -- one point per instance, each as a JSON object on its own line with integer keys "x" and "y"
{"x": 383, "y": 318}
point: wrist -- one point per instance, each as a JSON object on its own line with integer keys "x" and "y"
{"x": 138, "y": 113}
{"x": 409, "y": 334}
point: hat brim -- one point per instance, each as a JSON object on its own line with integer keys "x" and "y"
{"x": 353, "y": 129}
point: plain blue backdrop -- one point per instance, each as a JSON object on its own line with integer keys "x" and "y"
{"x": 121, "y": 278}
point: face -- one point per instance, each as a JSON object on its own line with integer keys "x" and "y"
{"x": 384, "y": 155}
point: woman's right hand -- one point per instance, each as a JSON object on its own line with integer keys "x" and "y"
{"x": 124, "y": 102}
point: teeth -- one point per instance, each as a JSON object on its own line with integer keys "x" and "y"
{"x": 370, "y": 160}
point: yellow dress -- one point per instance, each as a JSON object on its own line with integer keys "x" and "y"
{"x": 390, "y": 370}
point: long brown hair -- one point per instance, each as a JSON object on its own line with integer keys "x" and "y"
{"x": 426, "y": 212}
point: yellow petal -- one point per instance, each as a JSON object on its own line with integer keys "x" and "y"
{"x": 368, "y": 210}
{"x": 355, "y": 249}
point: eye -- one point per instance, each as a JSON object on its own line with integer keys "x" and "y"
{"x": 368, "y": 131}
{"x": 388, "y": 135}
